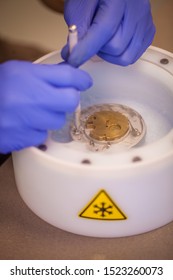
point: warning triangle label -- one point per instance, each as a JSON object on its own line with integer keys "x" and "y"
{"x": 102, "y": 207}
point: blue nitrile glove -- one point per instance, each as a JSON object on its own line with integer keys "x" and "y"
{"x": 119, "y": 31}
{"x": 34, "y": 98}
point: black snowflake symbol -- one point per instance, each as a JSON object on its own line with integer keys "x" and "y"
{"x": 102, "y": 209}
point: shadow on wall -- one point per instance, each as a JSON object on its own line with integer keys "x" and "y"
{"x": 16, "y": 50}
{"x": 55, "y": 5}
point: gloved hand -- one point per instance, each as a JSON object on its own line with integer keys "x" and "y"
{"x": 119, "y": 31}
{"x": 34, "y": 98}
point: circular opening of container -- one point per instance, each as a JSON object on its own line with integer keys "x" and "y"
{"x": 146, "y": 87}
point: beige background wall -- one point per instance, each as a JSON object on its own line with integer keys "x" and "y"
{"x": 163, "y": 18}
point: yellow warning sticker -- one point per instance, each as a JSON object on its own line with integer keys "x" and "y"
{"x": 102, "y": 207}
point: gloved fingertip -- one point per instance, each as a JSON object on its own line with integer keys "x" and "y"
{"x": 77, "y": 58}
{"x": 86, "y": 80}
{"x": 90, "y": 82}
{"x": 65, "y": 52}
{"x": 74, "y": 61}
{"x": 70, "y": 58}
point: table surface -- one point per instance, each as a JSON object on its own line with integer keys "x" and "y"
{"x": 23, "y": 235}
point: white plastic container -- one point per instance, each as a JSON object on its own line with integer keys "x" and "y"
{"x": 108, "y": 194}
